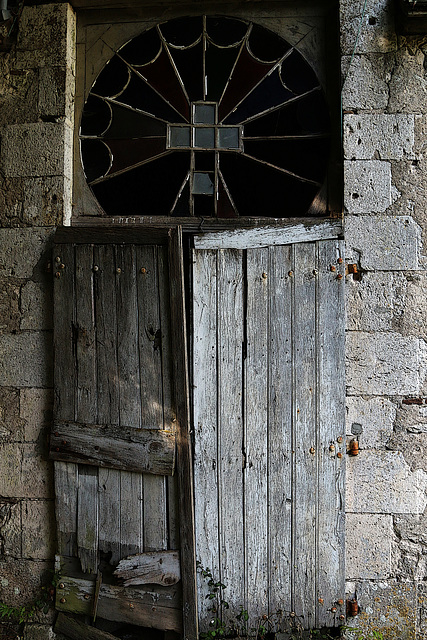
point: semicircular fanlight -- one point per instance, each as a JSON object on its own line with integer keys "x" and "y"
{"x": 209, "y": 116}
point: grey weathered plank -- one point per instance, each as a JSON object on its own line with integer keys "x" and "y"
{"x": 149, "y": 450}
{"x": 303, "y": 231}
{"x": 205, "y": 416}
{"x": 150, "y": 365}
{"x": 280, "y": 450}
{"x": 87, "y": 525}
{"x": 66, "y": 483}
{"x": 159, "y": 567}
{"x": 256, "y": 382}
{"x": 111, "y": 235}
{"x": 330, "y": 354}
{"x": 77, "y": 630}
{"x": 305, "y": 433}
{"x": 230, "y": 426}
{"x": 184, "y": 460}
{"x": 159, "y": 608}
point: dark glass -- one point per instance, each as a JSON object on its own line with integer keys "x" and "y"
{"x": 225, "y": 31}
{"x": 142, "y": 191}
{"x": 258, "y": 190}
{"x": 204, "y": 161}
{"x": 266, "y": 45}
{"x": 269, "y": 93}
{"x": 203, "y": 183}
{"x": 96, "y": 117}
{"x": 127, "y": 123}
{"x": 161, "y": 76}
{"x": 219, "y": 65}
{"x": 228, "y": 138}
{"x": 305, "y": 157}
{"x": 182, "y": 207}
{"x": 225, "y": 207}
{"x": 96, "y": 158}
{"x": 180, "y": 136}
{"x": 189, "y": 63}
{"x": 183, "y": 31}
{"x": 140, "y": 95}
{"x": 143, "y": 48}
{"x": 204, "y": 137}
{"x": 247, "y": 73}
{"x": 297, "y": 74}
{"x": 306, "y": 115}
{"x": 204, "y": 206}
{"x": 127, "y": 153}
{"x": 204, "y": 113}
{"x": 113, "y": 79}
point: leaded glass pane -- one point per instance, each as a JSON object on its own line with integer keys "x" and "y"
{"x": 228, "y": 138}
{"x": 204, "y": 137}
{"x": 204, "y": 113}
{"x": 180, "y": 136}
{"x": 202, "y": 183}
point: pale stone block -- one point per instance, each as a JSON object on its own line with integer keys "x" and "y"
{"x": 367, "y": 186}
{"x": 383, "y": 364}
{"x": 378, "y": 136}
{"x": 40, "y": 632}
{"x": 21, "y": 580}
{"x": 22, "y": 249}
{"x": 25, "y": 472}
{"x": 365, "y": 81}
{"x": 10, "y": 527}
{"x": 383, "y": 243}
{"x": 371, "y": 420}
{"x": 38, "y": 533}
{"x": 368, "y": 546}
{"x": 382, "y": 482}
{"x": 26, "y": 359}
{"x": 375, "y": 302}
{"x": 56, "y": 92}
{"x": 36, "y": 412}
{"x": 413, "y": 446}
{"x": 412, "y": 319}
{"x": 11, "y": 424}
{"x": 412, "y": 418}
{"x": 377, "y": 28}
{"x": 408, "y": 83}
{"x": 45, "y": 200}
{"x": 37, "y": 149}
{"x": 46, "y": 36}
{"x": 36, "y": 306}
{"x": 10, "y": 313}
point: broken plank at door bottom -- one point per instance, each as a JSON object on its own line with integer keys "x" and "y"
{"x": 76, "y": 630}
{"x": 159, "y": 608}
{"x": 155, "y": 567}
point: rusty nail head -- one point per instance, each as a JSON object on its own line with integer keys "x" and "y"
{"x": 321, "y": 601}
{"x": 143, "y": 270}
{"x": 87, "y": 596}
{"x": 333, "y": 609}
{"x": 63, "y": 601}
{"x": 339, "y": 455}
{"x": 340, "y": 602}
{"x": 339, "y": 276}
{"x": 58, "y": 259}
{"x": 342, "y": 617}
{"x": 339, "y": 439}
{"x": 57, "y": 449}
{"x": 292, "y": 614}
{"x": 315, "y": 272}
{"x": 118, "y": 270}
{"x": 333, "y": 267}
{"x": 331, "y": 447}
{"x": 290, "y": 273}
{"x": 95, "y": 267}
{"x": 312, "y": 450}
{"x": 153, "y": 608}
{"x": 57, "y": 274}
{"x": 340, "y": 260}
{"x": 64, "y": 442}
{"x": 61, "y": 585}
{"x": 264, "y": 275}
{"x": 131, "y": 606}
{"x": 62, "y": 265}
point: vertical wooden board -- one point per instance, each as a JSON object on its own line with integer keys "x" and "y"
{"x": 108, "y": 394}
{"x": 205, "y": 416}
{"x": 150, "y": 366}
{"x": 330, "y": 328}
{"x": 280, "y": 456}
{"x": 87, "y": 518}
{"x": 256, "y": 382}
{"x": 230, "y": 426}
{"x": 131, "y": 490}
{"x": 304, "y": 436}
{"x": 66, "y": 476}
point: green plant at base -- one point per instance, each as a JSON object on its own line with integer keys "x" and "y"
{"x": 26, "y": 612}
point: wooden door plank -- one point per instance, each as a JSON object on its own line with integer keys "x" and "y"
{"x": 150, "y": 365}
{"x": 77, "y": 630}
{"x": 256, "y": 382}
{"x": 330, "y": 328}
{"x": 230, "y": 426}
{"x": 149, "y": 450}
{"x": 131, "y": 488}
{"x": 108, "y": 394}
{"x": 158, "y": 567}
{"x": 205, "y": 416}
{"x": 184, "y": 459}
{"x": 295, "y": 231}
{"x": 87, "y": 519}
{"x": 280, "y": 456}
{"x": 304, "y": 437}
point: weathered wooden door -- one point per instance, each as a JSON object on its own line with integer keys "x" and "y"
{"x": 121, "y": 413}
{"x": 268, "y": 368}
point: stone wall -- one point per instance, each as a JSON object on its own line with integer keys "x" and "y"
{"x": 385, "y": 107}
{"x": 36, "y": 121}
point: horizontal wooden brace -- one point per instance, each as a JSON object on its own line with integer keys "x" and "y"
{"x": 112, "y": 235}
{"x": 154, "y": 567}
{"x": 144, "y": 450}
{"x": 157, "y": 609}
{"x": 77, "y": 630}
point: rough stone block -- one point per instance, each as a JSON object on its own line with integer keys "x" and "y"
{"x": 18, "y": 93}
{"x": 410, "y": 561}
{"x": 26, "y": 359}
{"x": 11, "y": 424}
{"x": 37, "y": 150}
{"x": 387, "y": 607}
{"x": 21, "y": 580}
{"x": 413, "y": 446}
{"x": 366, "y": 81}
{"x": 39, "y": 632}
{"x": 367, "y": 186}
{"x": 22, "y": 249}
{"x": 38, "y": 540}
{"x": 382, "y": 482}
{"x": 25, "y": 472}
{"x": 377, "y": 30}
{"x": 376, "y": 302}
{"x": 383, "y": 243}
{"x": 10, "y": 314}
{"x": 10, "y": 527}
{"x": 378, "y": 137}
{"x": 56, "y": 92}
{"x": 368, "y": 546}
{"x": 409, "y": 178}
{"x": 412, "y": 418}
{"x": 46, "y": 36}
{"x": 36, "y": 413}
{"x": 36, "y": 306}
{"x": 370, "y": 420}
{"x": 383, "y": 364}
{"x": 408, "y": 83}
{"x": 46, "y": 201}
